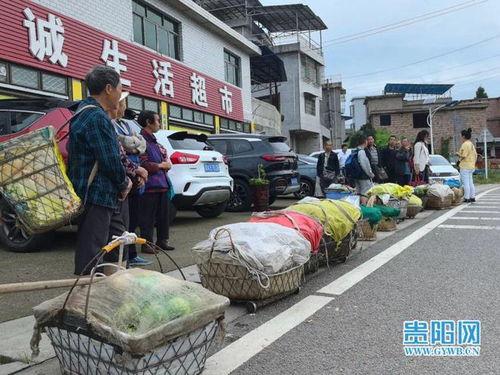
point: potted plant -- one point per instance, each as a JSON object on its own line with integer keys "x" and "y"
{"x": 259, "y": 187}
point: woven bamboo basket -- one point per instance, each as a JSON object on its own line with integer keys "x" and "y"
{"x": 437, "y": 203}
{"x": 330, "y": 252}
{"x": 412, "y": 211}
{"x": 387, "y": 224}
{"x": 367, "y": 232}
{"x": 312, "y": 265}
{"x": 458, "y": 196}
{"x": 236, "y": 283}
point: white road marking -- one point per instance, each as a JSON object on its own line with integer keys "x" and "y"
{"x": 469, "y": 227}
{"x": 480, "y": 212}
{"x": 234, "y": 355}
{"x": 473, "y": 218}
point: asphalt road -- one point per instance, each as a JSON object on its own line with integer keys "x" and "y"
{"x": 55, "y": 259}
{"x": 450, "y": 273}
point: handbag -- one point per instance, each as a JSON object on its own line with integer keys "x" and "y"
{"x": 381, "y": 173}
{"x": 329, "y": 175}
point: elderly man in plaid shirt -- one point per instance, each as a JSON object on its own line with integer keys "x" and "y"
{"x": 92, "y": 142}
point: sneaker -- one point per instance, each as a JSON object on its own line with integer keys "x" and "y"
{"x": 138, "y": 261}
{"x": 472, "y": 200}
{"x": 467, "y": 201}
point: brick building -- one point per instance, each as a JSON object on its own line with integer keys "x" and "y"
{"x": 402, "y": 117}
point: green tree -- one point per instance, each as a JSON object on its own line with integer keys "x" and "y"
{"x": 381, "y": 136}
{"x": 481, "y": 93}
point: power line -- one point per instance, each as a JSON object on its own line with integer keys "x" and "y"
{"x": 405, "y": 22}
{"x": 426, "y": 59}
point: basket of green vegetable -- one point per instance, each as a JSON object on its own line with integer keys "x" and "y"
{"x": 133, "y": 322}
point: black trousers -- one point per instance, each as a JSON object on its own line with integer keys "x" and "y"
{"x": 97, "y": 225}
{"x": 404, "y": 179}
{"x": 134, "y": 205}
{"x": 154, "y": 210}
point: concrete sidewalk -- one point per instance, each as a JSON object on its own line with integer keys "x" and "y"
{"x": 16, "y": 334}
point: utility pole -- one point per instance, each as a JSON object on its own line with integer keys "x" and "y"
{"x": 485, "y": 154}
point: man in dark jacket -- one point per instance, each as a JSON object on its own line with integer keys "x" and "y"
{"x": 388, "y": 158}
{"x": 94, "y": 150}
{"x": 402, "y": 164}
{"x": 328, "y": 167}
{"x": 373, "y": 155}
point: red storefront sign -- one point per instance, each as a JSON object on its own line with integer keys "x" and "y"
{"x": 39, "y": 37}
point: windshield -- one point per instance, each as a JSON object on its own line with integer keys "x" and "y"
{"x": 438, "y": 160}
{"x": 280, "y": 146}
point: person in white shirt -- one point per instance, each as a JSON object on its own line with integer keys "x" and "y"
{"x": 421, "y": 156}
{"x": 343, "y": 155}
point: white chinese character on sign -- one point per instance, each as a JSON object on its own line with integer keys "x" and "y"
{"x": 226, "y": 100}
{"x": 199, "y": 93}
{"x": 163, "y": 76}
{"x": 46, "y": 38}
{"x": 112, "y": 56}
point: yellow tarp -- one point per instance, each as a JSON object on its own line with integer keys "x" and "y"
{"x": 333, "y": 214}
{"x": 415, "y": 201}
{"x": 394, "y": 190}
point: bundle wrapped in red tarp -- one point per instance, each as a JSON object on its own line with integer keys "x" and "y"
{"x": 308, "y": 226}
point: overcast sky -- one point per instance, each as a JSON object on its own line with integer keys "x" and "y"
{"x": 467, "y": 69}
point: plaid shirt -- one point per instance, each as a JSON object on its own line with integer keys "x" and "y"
{"x": 92, "y": 138}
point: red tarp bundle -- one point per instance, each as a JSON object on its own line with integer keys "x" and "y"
{"x": 310, "y": 228}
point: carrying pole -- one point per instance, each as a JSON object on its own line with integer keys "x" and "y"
{"x": 41, "y": 285}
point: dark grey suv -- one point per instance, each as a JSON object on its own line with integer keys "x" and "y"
{"x": 245, "y": 152}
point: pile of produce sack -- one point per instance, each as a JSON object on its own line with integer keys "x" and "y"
{"x": 394, "y": 190}
{"x": 441, "y": 191}
{"x": 371, "y": 214}
{"x": 421, "y": 191}
{"x": 267, "y": 248}
{"x": 337, "y": 217}
{"x": 137, "y": 310}
{"x": 308, "y": 226}
{"x": 415, "y": 201}
{"x": 33, "y": 181}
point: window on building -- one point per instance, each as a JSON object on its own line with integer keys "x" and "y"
{"x": 155, "y": 30}
{"x": 310, "y": 104}
{"x": 175, "y": 111}
{"x": 311, "y": 70}
{"x": 420, "y": 120}
{"x": 33, "y": 79}
{"x": 240, "y": 146}
{"x": 232, "y": 68}
{"x": 138, "y": 104}
{"x": 385, "y": 120}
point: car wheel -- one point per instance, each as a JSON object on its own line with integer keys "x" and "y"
{"x": 306, "y": 189}
{"x": 211, "y": 210}
{"x": 12, "y": 234}
{"x": 240, "y": 199}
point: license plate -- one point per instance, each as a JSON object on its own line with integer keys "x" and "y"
{"x": 212, "y": 167}
{"x": 294, "y": 181}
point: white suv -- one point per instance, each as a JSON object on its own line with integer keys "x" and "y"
{"x": 199, "y": 174}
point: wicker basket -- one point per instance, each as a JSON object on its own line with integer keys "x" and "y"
{"x": 387, "y": 224}
{"x": 412, "y": 211}
{"x": 437, "y": 203}
{"x": 312, "y": 265}
{"x": 367, "y": 232}
{"x": 236, "y": 283}
{"x": 458, "y": 196}
{"x": 330, "y": 252}
{"x": 79, "y": 353}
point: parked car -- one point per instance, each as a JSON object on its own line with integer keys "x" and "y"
{"x": 307, "y": 171}
{"x": 199, "y": 174}
{"x": 441, "y": 169}
{"x": 18, "y": 117}
{"x": 245, "y": 152}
